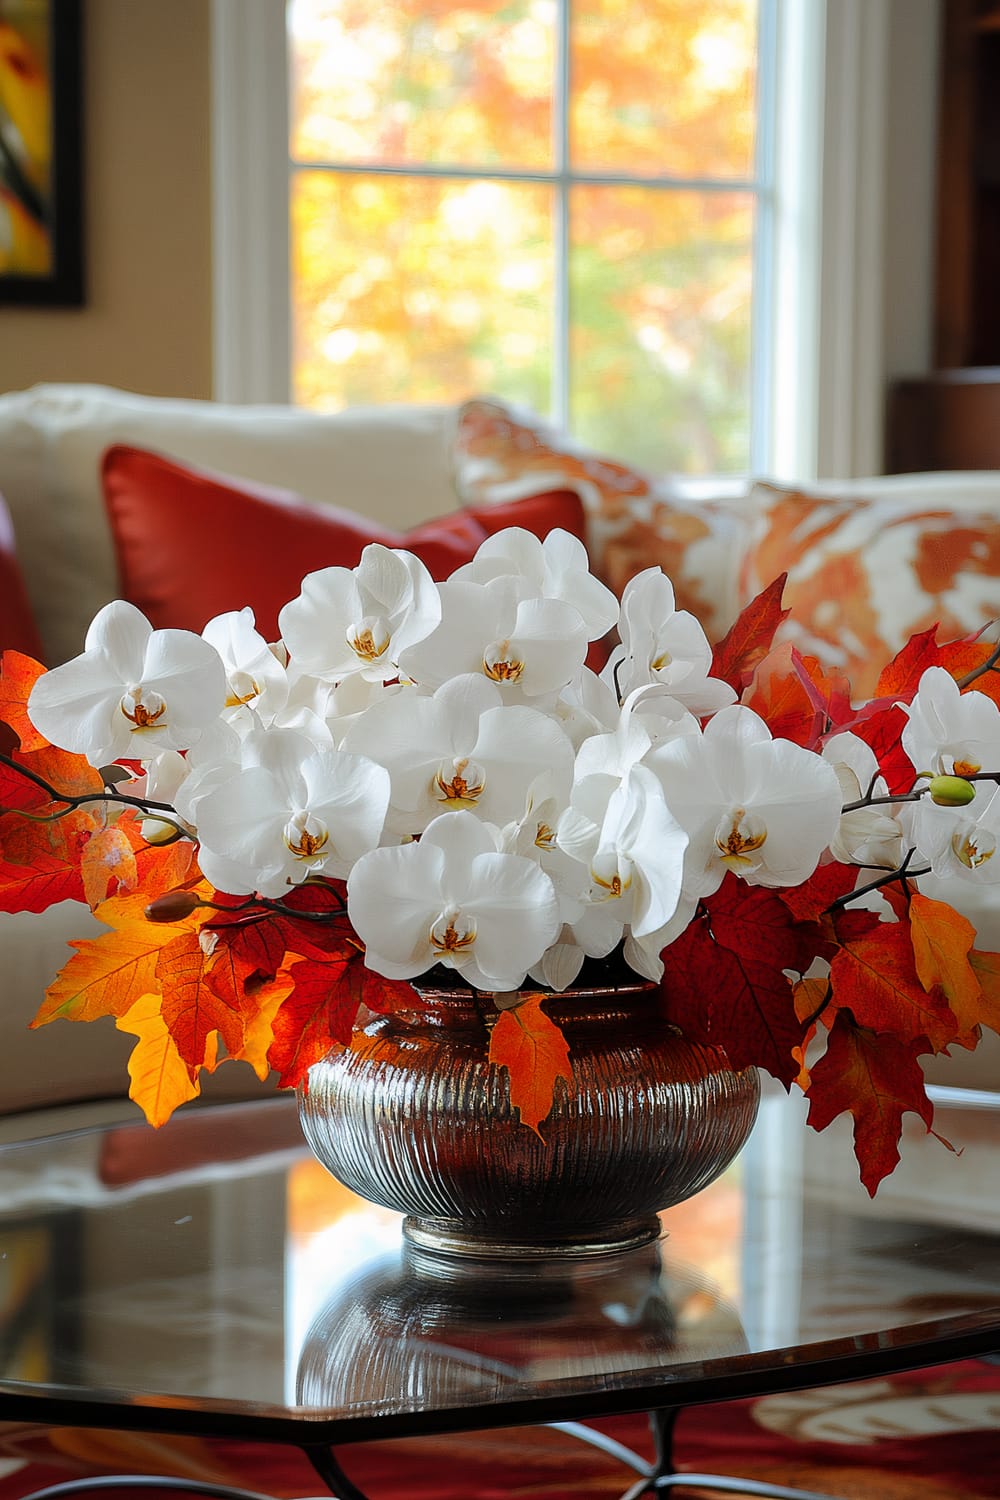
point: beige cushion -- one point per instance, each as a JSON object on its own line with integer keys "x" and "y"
{"x": 391, "y": 463}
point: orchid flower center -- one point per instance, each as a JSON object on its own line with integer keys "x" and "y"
{"x": 452, "y": 932}
{"x": 501, "y": 664}
{"x": 306, "y": 835}
{"x": 739, "y": 838}
{"x": 611, "y": 873}
{"x": 973, "y": 846}
{"x": 965, "y": 768}
{"x": 369, "y": 637}
{"x": 142, "y": 706}
{"x": 461, "y": 784}
{"x": 661, "y": 660}
{"x": 544, "y": 836}
{"x": 242, "y": 689}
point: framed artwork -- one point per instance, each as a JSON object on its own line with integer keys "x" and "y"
{"x": 41, "y": 230}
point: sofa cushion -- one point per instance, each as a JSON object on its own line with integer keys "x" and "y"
{"x": 392, "y": 463}
{"x": 694, "y": 531}
{"x": 18, "y": 630}
{"x": 192, "y": 544}
{"x": 871, "y": 562}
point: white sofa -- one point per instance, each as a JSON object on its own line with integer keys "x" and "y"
{"x": 393, "y": 464}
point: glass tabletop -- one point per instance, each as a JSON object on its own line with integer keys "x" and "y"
{"x": 211, "y": 1277}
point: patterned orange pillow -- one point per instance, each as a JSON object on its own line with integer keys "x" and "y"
{"x": 633, "y": 520}
{"x": 871, "y": 565}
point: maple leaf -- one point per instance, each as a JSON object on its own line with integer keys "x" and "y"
{"x": 986, "y": 967}
{"x": 160, "y": 1079}
{"x": 875, "y": 1078}
{"x": 316, "y": 1017}
{"x": 724, "y": 981}
{"x": 942, "y": 942}
{"x": 108, "y": 974}
{"x": 159, "y": 867}
{"x": 900, "y": 678}
{"x": 191, "y": 1009}
{"x": 18, "y": 675}
{"x": 532, "y": 1048}
{"x": 107, "y": 856}
{"x": 40, "y": 862}
{"x": 812, "y": 899}
{"x": 782, "y": 694}
{"x": 258, "y": 1030}
{"x": 880, "y": 724}
{"x": 874, "y": 975}
{"x": 749, "y": 639}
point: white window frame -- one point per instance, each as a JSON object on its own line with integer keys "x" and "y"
{"x": 818, "y": 315}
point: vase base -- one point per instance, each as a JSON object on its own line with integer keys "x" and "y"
{"x": 454, "y": 1238}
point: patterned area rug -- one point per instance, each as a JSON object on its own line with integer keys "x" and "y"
{"x": 933, "y": 1434}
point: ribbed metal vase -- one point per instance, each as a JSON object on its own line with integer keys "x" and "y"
{"x": 413, "y": 1117}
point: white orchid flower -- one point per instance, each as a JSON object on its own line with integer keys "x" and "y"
{"x": 161, "y": 781}
{"x": 292, "y": 810}
{"x": 764, "y": 808}
{"x": 960, "y": 842}
{"x": 134, "y": 691}
{"x": 254, "y": 677}
{"x": 462, "y": 749}
{"x": 556, "y": 568}
{"x": 455, "y": 899}
{"x": 869, "y": 835}
{"x": 951, "y": 733}
{"x": 586, "y": 706}
{"x": 360, "y": 621}
{"x": 531, "y": 647}
{"x": 665, "y": 645}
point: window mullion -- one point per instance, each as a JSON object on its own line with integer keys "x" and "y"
{"x": 560, "y": 398}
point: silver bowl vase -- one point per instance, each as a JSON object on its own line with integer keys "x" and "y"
{"x": 415, "y": 1118}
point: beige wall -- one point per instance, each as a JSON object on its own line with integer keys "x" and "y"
{"x": 146, "y": 325}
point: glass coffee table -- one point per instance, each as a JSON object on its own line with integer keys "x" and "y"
{"x": 211, "y": 1279}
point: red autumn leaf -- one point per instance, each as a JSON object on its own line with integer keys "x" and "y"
{"x": 749, "y": 639}
{"x": 317, "y": 1016}
{"x": 900, "y": 678}
{"x": 874, "y": 975}
{"x": 532, "y": 1048}
{"x": 40, "y": 862}
{"x": 781, "y": 693}
{"x": 18, "y": 675}
{"x": 809, "y": 901}
{"x": 877, "y": 1079}
{"x": 880, "y": 724}
{"x": 192, "y": 1011}
{"x": 159, "y": 867}
{"x": 724, "y": 982}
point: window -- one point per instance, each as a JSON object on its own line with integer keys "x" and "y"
{"x": 563, "y": 202}
{"x": 791, "y": 379}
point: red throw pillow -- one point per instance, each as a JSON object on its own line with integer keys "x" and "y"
{"x": 18, "y": 630}
{"x": 192, "y": 544}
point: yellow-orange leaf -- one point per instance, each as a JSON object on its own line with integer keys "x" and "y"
{"x": 259, "y": 1026}
{"x": 942, "y": 941}
{"x": 108, "y": 974}
{"x": 987, "y": 971}
{"x": 191, "y": 1008}
{"x": 18, "y": 675}
{"x": 160, "y": 1079}
{"x": 532, "y": 1048}
{"x": 107, "y": 856}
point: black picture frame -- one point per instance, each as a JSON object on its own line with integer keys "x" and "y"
{"x": 60, "y": 212}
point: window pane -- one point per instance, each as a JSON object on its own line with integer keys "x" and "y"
{"x": 466, "y": 84}
{"x": 416, "y": 289}
{"x": 666, "y": 87}
{"x": 660, "y": 326}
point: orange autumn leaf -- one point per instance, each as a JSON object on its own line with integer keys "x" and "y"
{"x": 108, "y": 974}
{"x": 986, "y": 967}
{"x": 942, "y": 942}
{"x": 159, "y": 867}
{"x": 18, "y": 675}
{"x": 192, "y": 1010}
{"x": 533, "y": 1049}
{"x": 160, "y": 1079}
{"x": 258, "y": 1030}
{"x": 108, "y": 857}
{"x": 781, "y": 693}
{"x": 40, "y": 861}
{"x": 316, "y": 1017}
{"x": 875, "y": 977}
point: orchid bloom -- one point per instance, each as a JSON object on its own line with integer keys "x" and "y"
{"x": 134, "y": 691}
{"x": 462, "y": 749}
{"x": 765, "y": 809}
{"x": 348, "y": 621}
{"x": 951, "y": 733}
{"x": 665, "y": 645}
{"x": 556, "y": 568}
{"x": 292, "y": 810}
{"x": 254, "y": 677}
{"x": 531, "y": 647}
{"x": 868, "y": 835}
{"x": 454, "y": 899}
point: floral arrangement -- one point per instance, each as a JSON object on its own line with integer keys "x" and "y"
{"x": 418, "y": 775}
